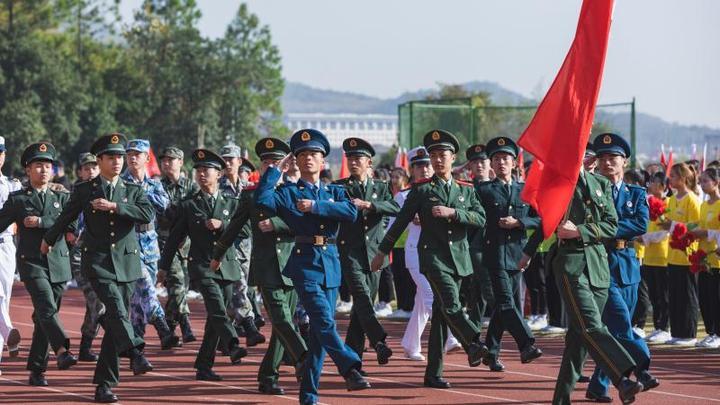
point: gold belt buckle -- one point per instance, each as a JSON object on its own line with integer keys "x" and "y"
{"x": 319, "y": 240}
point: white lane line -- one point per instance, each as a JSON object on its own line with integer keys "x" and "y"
{"x": 55, "y": 390}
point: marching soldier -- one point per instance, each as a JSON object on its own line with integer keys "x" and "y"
{"x": 202, "y": 217}
{"x": 633, "y": 216}
{"x": 177, "y": 187}
{"x": 34, "y": 210}
{"x": 580, "y": 266}
{"x": 111, "y": 262}
{"x": 358, "y": 245}
{"x": 508, "y": 219}
{"x": 272, "y": 246}
{"x": 313, "y": 211}
{"x": 447, "y": 209}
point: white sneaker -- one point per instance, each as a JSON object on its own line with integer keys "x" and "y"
{"x": 639, "y": 332}
{"x": 538, "y": 323}
{"x": 343, "y": 307}
{"x": 161, "y": 292}
{"x": 383, "y": 310}
{"x": 400, "y": 314}
{"x": 659, "y": 336}
{"x": 452, "y": 346}
{"x": 714, "y": 343}
{"x": 414, "y": 356}
{"x": 553, "y": 329}
{"x": 193, "y": 295}
{"x": 708, "y": 342}
{"x": 682, "y": 342}
{"x": 72, "y": 284}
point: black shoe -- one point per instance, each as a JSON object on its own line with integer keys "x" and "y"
{"x": 598, "y": 398}
{"x": 236, "y": 354}
{"x": 37, "y": 379}
{"x": 355, "y": 382}
{"x": 206, "y": 374}
{"x": 476, "y": 352}
{"x": 529, "y": 354}
{"x": 436, "y": 382}
{"x": 648, "y": 381}
{"x": 628, "y": 389}
{"x": 363, "y": 372}
{"x": 301, "y": 368}
{"x": 583, "y": 379}
{"x": 239, "y": 329}
{"x": 66, "y": 360}
{"x": 86, "y": 353}
{"x": 493, "y": 364}
{"x": 140, "y": 365}
{"x": 259, "y": 321}
{"x": 252, "y": 336}
{"x": 383, "y": 353}
{"x": 271, "y": 388}
{"x": 104, "y": 395}
{"x": 168, "y": 339}
{"x": 186, "y": 329}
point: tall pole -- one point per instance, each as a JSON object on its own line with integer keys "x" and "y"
{"x": 633, "y": 135}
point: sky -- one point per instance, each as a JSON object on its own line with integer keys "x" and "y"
{"x": 666, "y": 53}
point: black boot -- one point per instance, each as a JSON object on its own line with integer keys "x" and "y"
{"x": 86, "y": 353}
{"x": 138, "y": 363}
{"x": 252, "y": 336}
{"x": 66, "y": 360}
{"x": 237, "y": 353}
{"x": 168, "y": 340}
{"x": 104, "y": 395}
{"x": 187, "y": 333}
{"x": 37, "y": 379}
{"x": 355, "y": 382}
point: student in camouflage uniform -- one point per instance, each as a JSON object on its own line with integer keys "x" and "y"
{"x": 144, "y": 306}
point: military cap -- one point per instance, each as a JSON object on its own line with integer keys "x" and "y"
{"x": 590, "y": 150}
{"x": 2, "y": 144}
{"x": 611, "y": 144}
{"x": 441, "y": 139}
{"x": 231, "y": 151}
{"x": 357, "y": 147}
{"x": 112, "y": 144}
{"x": 475, "y": 152}
{"x": 85, "y": 158}
{"x": 138, "y": 145}
{"x": 172, "y": 152}
{"x": 501, "y": 144}
{"x": 418, "y": 155}
{"x": 246, "y": 166}
{"x": 271, "y": 148}
{"x": 207, "y": 158}
{"x": 309, "y": 139}
{"x": 41, "y": 151}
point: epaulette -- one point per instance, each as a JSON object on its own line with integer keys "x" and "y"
{"x": 18, "y": 192}
{"x": 465, "y": 183}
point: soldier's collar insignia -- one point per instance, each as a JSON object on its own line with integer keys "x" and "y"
{"x": 269, "y": 144}
{"x": 501, "y": 142}
{"x": 435, "y": 136}
{"x": 305, "y": 136}
{"x": 353, "y": 143}
{"x": 42, "y": 148}
{"x": 607, "y": 139}
{"x": 114, "y": 139}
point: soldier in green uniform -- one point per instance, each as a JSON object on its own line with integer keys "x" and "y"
{"x": 110, "y": 261}
{"x": 580, "y": 265}
{"x": 508, "y": 219}
{"x": 447, "y": 209}
{"x": 358, "y": 244}
{"x": 272, "y": 243}
{"x": 34, "y": 209}
{"x": 177, "y": 187}
{"x": 202, "y": 217}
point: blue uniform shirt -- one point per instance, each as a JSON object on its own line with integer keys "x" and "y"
{"x": 633, "y": 216}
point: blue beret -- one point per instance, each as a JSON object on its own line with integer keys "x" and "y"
{"x": 309, "y": 139}
{"x": 613, "y": 144}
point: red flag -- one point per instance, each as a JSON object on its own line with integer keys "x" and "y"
{"x": 151, "y": 167}
{"x": 662, "y": 156}
{"x": 521, "y": 164}
{"x": 344, "y": 171}
{"x": 669, "y": 163}
{"x": 559, "y": 131}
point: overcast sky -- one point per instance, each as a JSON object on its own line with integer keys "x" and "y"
{"x": 664, "y": 52}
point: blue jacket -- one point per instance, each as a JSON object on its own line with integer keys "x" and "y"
{"x": 332, "y": 206}
{"x": 633, "y": 216}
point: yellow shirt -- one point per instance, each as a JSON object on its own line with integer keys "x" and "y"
{"x": 639, "y": 251}
{"x": 709, "y": 220}
{"x": 685, "y": 210}
{"x": 656, "y": 254}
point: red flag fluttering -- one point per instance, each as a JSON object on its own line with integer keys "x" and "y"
{"x": 151, "y": 167}
{"x": 559, "y": 131}
{"x": 344, "y": 171}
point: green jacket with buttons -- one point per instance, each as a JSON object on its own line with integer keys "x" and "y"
{"x": 593, "y": 211}
{"x": 193, "y": 212}
{"x": 31, "y": 263}
{"x": 270, "y": 250}
{"x": 358, "y": 241}
{"x": 443, "y": 245}
{"x": 110, "y": 247}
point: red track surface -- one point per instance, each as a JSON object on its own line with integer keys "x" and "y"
{"x": 687, "y": 376}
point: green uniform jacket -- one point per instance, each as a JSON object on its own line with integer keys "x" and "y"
{"x": 443, "y": 244}
{"x": 270, "y": 250}
{"x": 30, "y": 262}
{"x": 176, "y": 192}
{"x": 593, "y": 211}
{"x": 358, "y": 241}
{"x": 108, "y": 234}
{"x": 503, "y": 248}
{"x": 190, "y": 222}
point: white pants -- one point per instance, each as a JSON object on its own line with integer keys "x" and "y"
{"x": 422, "y": 309}
{"x": 7, "y": 277}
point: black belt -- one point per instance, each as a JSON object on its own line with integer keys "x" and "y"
{"x": 618, "y": 244}
{"x": 144, "y": 227}
{"x": 316, "y": 240}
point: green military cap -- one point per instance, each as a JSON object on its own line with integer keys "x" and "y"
{"x": 501, "y": 144}
{"x": 85, "y": 158}
{"x": 172, "y": 152}
{"x": 441, "y": 139}
{"x": 475, "y": 152}
{"x": 111, "y": 144}
{"x": 271, "y": 148}
{"x": 41, "y": 151}
{"x": 357, "y": 147}
{"x": 207, "y": 158}
{"x": 246, "y": 166}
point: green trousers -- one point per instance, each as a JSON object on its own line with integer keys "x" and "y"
{"x": 586, "y": 334}
{"x": 218, "y": 327}
{"x": 280, "y": 305}
{"x": 46, "y": 298}
{"x": 119, "y": 335}
{"x": 447, "y": 313}
{"x": 507, "y": 312}
{"x": 363, "y": 288}
{"x": 176, "y": 287}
